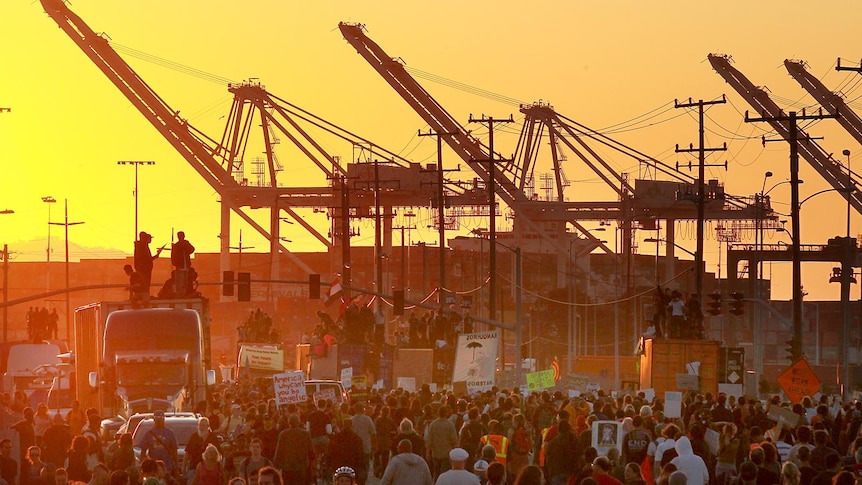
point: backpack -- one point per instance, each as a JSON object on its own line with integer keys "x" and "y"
{"x": 521, "y": 441}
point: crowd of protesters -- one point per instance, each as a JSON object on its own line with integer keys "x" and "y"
{"x": 501, "y": 436}
{"x": 424, "y": 437}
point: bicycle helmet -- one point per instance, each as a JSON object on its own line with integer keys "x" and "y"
{"x": 344, "y": 471}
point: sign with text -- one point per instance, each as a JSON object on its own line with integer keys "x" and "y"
{"x": 731, "y": 365}
{"x": 783, "y": 416}
{"x": 688, "y": 382}
{"x": 346, "y": 377}
{"x": 672, "y": 404}
{"x": 265, "y": 358}
{"x": 476, "y": 359}
{"x": 799, "y": 381}
{"x": 407, "y": 383}
{"x": 328, "y": 394}
{"x": 536, "y": 381}
{"x": 289, "y": 388}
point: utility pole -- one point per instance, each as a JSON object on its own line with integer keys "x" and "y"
{"x": 441, "y": 205}
{"x": 5, "y": 293}
{"x": 136, "y": 164}
{"x": 239, "y": 249}
{"x": 792, "y": 118}
{"x": 404, "y": 284}
{"x": 701, "y": 190}
{"x": 492, "y": 205}
{"x": 66, "y": 224}
{"x": 345, "y": 238}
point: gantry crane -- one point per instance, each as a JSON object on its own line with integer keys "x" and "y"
{"x": 828, "y": 168}
{"x": 220, "y": 162}
{"x": 647, "y": 200}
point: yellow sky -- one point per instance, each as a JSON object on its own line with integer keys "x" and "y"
{"x": 599, "y": 63}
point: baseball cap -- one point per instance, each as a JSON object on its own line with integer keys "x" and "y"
{"x": 458, "y": 454}
{"x": 480, "y": 466}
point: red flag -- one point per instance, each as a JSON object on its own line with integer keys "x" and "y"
{"x": 646, "y": 471}
{"x": 555, "y": 365}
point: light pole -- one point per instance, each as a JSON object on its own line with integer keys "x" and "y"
{"x": 136, "y": 163}
{"x": 6, "y": 284}
{"x": 48, "y": 200}
{"x": 66, "y": 225}
{"x": 240, "y": 247}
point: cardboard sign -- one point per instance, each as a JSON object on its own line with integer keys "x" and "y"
{"x": 712, "y": 440}
{"x": 347, "y": 377}
{"x": 289, "y": 388}
{"x": 407, "y": 383}
{"x": 607, "y": 435}
{"x": 688, "y": 382}
{"x": 672, "y": 404}
{"x": 328, "y": 394}
{"x": 459, "y": 388}
{"x": 536, "y": 381}
{"x": 783, "y": 416}
{"x": 649, "y": 394}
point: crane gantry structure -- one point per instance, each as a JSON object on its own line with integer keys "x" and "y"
{"x": 258, "y": 116}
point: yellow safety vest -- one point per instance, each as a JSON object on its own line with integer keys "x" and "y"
{"x": 542, "y": 447}
{"x": 500, "y": 444}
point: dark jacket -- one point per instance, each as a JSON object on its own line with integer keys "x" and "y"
{"x": 293, "y": 451}
{"x": 561, "y": 455}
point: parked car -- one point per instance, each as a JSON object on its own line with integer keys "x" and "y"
{"x": 183, "y": 426}
{"x": 132, "y": 423}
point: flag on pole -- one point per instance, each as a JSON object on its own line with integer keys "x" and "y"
{"x": 335, "y": 292}
{"x": 555, "y": 365}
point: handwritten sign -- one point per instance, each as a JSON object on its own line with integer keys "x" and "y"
{"x": 536, "y": 381}
{"x": 347, "y": 377}
{"x": 687, "y": 381}
{"x": 289, "y": 387}
{"x": 672, "y": 404}
{"x": 407, "y": 383}
{"x": 328, "y": 394}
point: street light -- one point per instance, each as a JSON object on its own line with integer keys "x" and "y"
{"x": 136, "y": 163}
{"x": 48, "y": 200}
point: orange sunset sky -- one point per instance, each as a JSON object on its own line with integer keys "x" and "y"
{"x": 600, "y": 63}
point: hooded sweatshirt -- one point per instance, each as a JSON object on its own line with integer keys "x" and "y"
{"x": 689, "y": 463}
{"x": 406, "y": 469}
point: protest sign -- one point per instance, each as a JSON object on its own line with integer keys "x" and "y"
{"x": 289, "y": 387}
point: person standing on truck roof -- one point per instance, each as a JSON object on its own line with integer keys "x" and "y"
{"x": 160, "y": 443}
{"x": 181, "y": 258}
{"x": 144, "y": 258}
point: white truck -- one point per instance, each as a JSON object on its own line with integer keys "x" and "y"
{"x": 133, "y": 358}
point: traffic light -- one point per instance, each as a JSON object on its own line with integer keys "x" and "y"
{"x": 714, "y": 306}
{"x": 398, "y": 302}
{"x": 736, "y": 304}
{"x": 243, "y": 287}
{"x": 227, "y": 283}
{"x": 314, "y": 286}
{"x": 794, "y": 350}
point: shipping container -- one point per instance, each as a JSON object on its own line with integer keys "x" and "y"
{"x": 665, "y": 364}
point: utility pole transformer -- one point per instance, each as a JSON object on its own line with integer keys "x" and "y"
{"x": 701, "y": 196}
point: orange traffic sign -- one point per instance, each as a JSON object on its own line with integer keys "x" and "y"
{"x": 799, "y": 381}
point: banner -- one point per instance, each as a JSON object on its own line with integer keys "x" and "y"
{"x": 265, "y": 358}
{"x": 475, "y": 360}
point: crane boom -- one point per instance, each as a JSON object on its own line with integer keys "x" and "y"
{"x": 166, "y": 120}
{"x": 759, "y": 99}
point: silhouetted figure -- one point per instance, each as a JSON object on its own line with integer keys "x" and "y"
{"x": 694, "y": 312}
{"x": 144, "y": 258}
{"x": 136, "y": 289}
{"x": 53, "y": 321}
{"x": 167, "y": 292}
{"x": 181, "y": 258}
